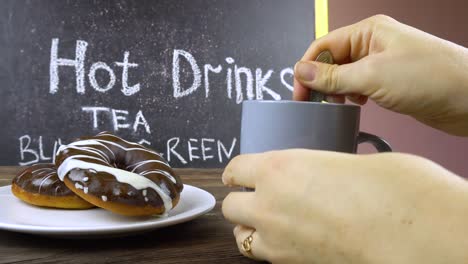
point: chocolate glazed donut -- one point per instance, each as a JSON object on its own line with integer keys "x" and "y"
{"x": 117, "y": 175}
{"x": 40, "y": 185}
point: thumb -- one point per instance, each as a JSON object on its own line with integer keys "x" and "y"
{"x": 353, "y": 78}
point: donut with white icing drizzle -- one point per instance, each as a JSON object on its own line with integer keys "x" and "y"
{"x": 117, "y": 175}
{"x": 39, "y": 185}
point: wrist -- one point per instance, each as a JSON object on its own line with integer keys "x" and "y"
{"x": 445, "y": 239}
{"x": 427, "y": 223}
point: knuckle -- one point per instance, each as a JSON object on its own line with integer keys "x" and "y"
{"x": 232, "y": 163}
{"x": 381, "y": 18}
{"x": 264, "y": 165}
{"x": 257, "y": 215}
{"x": 225, "y": 204}
{"x": 273, "y": 161}
{"x": 370, "y": 71}
{"x": 332, "y": 79}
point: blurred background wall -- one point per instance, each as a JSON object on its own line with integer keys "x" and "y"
{"x": 445, "y": 19}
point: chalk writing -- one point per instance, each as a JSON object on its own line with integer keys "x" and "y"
{"x": 92, "y": 76}
{"x": 189, "y": 77}
{"x": 34, "y": 149}
{"x": 194, "y": 146}
{"x": 118, "y": 118}
{"x": 243, "y": 76}
{"x": 30, "y": 155}
{"x": 79, "y": 64}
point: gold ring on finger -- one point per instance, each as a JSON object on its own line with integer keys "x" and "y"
{"x": 247, "y": 243}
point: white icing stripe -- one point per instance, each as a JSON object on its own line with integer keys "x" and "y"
{"x": 41, "y": 169}
{"x": 165, "y": 173}
{"x": 82, "y": 157}
{"x": 136, "y": 181}
{"x": 128, "y": 142}
{"x": 143, "y": 162}
{"x": 110, "y": 135}
{"x": 98, "y": 142}
{"x": 85, "y": 143}
{"x": 21, "y": 175}
{"x": 39, "y": 172}
{"x": 50, "y": 173}
{"x": 42, "y": 182}
{"x": 98, "y": 152}
{"x": 94, "y": 151}
{"x": 128, "y": 149}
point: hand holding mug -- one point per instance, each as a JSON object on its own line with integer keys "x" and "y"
{"x": 327, "y": 207}
{"x": 313, "y": 206}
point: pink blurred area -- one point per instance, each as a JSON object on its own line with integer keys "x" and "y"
{"x": 445, "y": 19}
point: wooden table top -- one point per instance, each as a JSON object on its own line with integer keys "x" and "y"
{"x": 207, "y": 239}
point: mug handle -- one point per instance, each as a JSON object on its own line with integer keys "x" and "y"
{"x": 379, "y": 143}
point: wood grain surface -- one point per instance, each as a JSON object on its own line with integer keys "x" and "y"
{"x": 207, "y": 239}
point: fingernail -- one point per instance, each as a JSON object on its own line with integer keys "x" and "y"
{"x": 236, "y": 230}
{"x": 222, "y": 178}
{"x": 305, "y": 71}
{"x": 225, "y": 180}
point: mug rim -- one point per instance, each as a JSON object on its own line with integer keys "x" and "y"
{"x": 298, "y": 103}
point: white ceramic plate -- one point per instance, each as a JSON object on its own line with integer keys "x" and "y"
{"x": 18, "y": 216}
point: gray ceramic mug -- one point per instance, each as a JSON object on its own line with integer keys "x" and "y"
{"x": 276, "y": 125}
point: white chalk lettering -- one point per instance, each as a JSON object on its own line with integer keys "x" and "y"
{"x": 205, "y": 149}
{"x": 24, "y": 148}
{"x": 191, "y": 149}
{"x": 95, "y": 111}
{"x": 249, "y": 83}
{"x": 194, "y": 146}
{"x": 171, "y": 150}
{"x": 223, "y": 148}
{"x": 140, "y": 120}
{"x": 229, "y": 60}
{"x": 126, "y": 89}
{"x": 57, "y": 145}
{"x": 119, "y": 115}
{"x": 92, "y": 76}
{"x": 284, "y": 72}
{"x": 41, "y": 150}
{"x": 178, "y": 92}
{"x": 144, "y": 142}
{"x": 119, "y": 118}
{"x": 260, "y": 81}
{"x": 78, "y": 63}
{"x": 209, "y": 68}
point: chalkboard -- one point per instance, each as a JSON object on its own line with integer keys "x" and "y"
{"x": 170, "y": 74}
